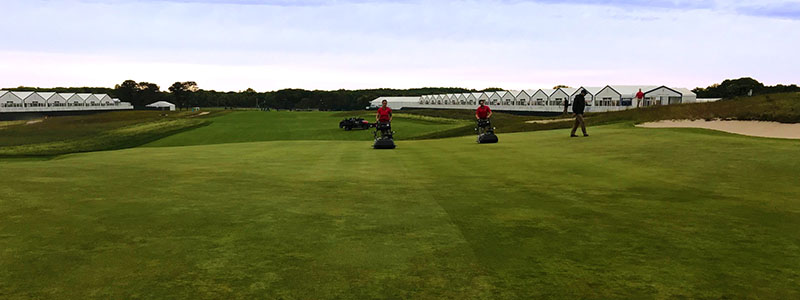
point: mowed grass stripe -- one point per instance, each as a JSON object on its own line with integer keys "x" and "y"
{"x": 626, "y": 213}
{"x": 253, "y": 126}
{"x": 301, "y": 228}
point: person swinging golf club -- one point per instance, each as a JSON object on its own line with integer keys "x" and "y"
{"x": 578, "y": 106}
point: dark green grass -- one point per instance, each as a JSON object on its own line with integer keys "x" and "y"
{"x": 274, "y": 126}
{"x": 627, "y": 213}
{"x": 103, "y": 131}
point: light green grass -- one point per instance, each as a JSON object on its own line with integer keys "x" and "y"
{"x": 251, "y": 126}
{"x": 627, "y": 213}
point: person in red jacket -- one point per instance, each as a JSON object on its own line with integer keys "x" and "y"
{"x": 384, "y": 114}
{"x": 639, "y": 98}
{"x": 483, "y": 112}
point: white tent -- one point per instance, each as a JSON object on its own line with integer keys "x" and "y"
{"x": 450, "y": 99}
{"x": 523, "y": 98}
{"x": 22, "y": 96}
{"x": 472, "y": 98}
{"x": 395, "y": 102}
{"x": 53, "y": 99}
{"x": 9, "y": 99}
{"x": 495, "y": 98}
{"x": 92, "y": 100}
{"x": 83, "y": 97}
{"x": 628, "y": 92}
{"x": 509, "y": 97}
{"x": 162, "y": 105}
{"x": 557, "y": 98}
{"x": 590, "y": 90}
{"x": 662, "y": 96}
{"x": 30, "y": 99}
{"x": 74, "y": 100}
{"x": 688, "y": 95}
{"x": 462, "y": 99}
{"x": 609, "y": 95}
{"x": 104, "y": 99}
{"x": 540, "y": 97}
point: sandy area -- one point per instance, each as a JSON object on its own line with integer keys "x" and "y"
{"x": 549, "y": 121}
{"x": 33, "y": 122}
{"x": 751, "y": 128}
{"x": 200, "y": 114}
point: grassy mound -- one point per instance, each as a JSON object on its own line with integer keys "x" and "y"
{"x": 103, "y": 131}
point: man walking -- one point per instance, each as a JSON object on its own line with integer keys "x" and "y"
{"x": 578, "y": 106}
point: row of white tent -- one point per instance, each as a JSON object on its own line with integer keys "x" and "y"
{"x": 51, "y": 99}
{"x": 612, "y": 96}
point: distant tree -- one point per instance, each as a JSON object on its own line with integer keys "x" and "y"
{"x": 730, "y": 88}
{"x": 251, "y": 96}
{"x": 182, "y": 92}
{"x": 491, "y": 89}
{"x": 561, "y": 86}
{"x": 149, "y": 93}
{"x": 127, "y": 92}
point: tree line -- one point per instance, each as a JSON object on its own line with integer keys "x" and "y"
{"x": 188, "y": 94}
{"x": 731, "y": 88}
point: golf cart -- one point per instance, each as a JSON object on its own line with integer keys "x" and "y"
{"x": 357, "y": 123}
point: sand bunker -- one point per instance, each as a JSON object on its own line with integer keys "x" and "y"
{"x": 33, "y": 122}
{"x": 751, "y": 128}
{"x": 548, "y": 121}
{"x": 200, "y": 114}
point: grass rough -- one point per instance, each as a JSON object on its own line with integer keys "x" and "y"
{"x": 104, "y": 131}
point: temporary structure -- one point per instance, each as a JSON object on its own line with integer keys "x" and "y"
{"x": 523, "y": 98}
{"x": 540, "y": 97}
{"x": 10, "y": 99}
{"x": 161, "y": 105}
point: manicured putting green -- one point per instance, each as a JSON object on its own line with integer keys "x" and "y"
{"x": 626, "y": 213}
{"x": 284, "y": 125}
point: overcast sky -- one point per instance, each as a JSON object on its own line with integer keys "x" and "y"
{"x": 315, "y": 44}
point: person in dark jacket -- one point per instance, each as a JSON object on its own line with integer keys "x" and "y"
{"x": 578, "y": 106}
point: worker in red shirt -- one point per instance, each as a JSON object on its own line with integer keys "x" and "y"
{"x": 483, "y": 112}
{"x": 384, "y": 114}
{"x": 639, "y": 98}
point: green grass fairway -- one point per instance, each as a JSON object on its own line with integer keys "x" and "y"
{"x": 626, "y": 213}
{"x": 277, "y": 126}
